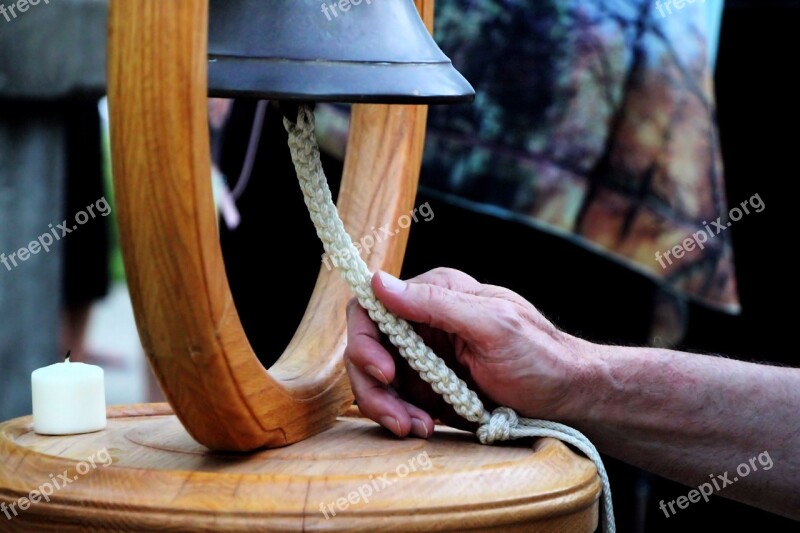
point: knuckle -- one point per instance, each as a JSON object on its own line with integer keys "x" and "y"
{"x": 507, "y": 315}
{"x": 352, "y": 306}
{"x": 428, "y": 294}
{"x": 353, "y": 355}
{"x": 347, "y": 357}
{"x": 443, "y": 272}
{"x": 450, "y": 277}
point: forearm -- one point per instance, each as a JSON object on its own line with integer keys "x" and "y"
{"x": 691, "y": 418}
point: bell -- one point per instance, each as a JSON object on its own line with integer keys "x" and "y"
{"x": 359, "y": 51}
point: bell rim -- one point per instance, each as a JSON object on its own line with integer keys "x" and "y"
{"x": 291, "y": 80}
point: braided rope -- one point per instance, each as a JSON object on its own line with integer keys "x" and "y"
{"x": 503, "y": 423}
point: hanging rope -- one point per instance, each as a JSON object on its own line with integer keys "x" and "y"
{"x": 503, "y": 423}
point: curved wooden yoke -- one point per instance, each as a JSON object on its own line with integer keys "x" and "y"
{"x": 184, "y": 310}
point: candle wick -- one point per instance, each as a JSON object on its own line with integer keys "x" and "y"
{"x": 66, "y": 359}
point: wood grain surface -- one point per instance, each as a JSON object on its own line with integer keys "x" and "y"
{"x": 160, "y": 479}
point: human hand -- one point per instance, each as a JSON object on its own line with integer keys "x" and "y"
{"x": 491, "y": 337}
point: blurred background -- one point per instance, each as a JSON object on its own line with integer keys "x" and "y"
{"x": 603, "y": 131}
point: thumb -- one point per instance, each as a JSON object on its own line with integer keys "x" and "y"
{"x": 452, "y": 311}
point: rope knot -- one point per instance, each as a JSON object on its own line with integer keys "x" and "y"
{"x": 499, "y": 426}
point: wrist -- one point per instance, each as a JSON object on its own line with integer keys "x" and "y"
{"x": 589, "y": 369}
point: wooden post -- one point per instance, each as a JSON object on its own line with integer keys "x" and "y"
{"x": 185, "y": 313}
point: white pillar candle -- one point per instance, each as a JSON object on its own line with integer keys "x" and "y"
{"x": 68, "y": 398}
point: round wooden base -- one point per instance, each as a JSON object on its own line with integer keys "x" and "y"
{"x": 145, "y": 473}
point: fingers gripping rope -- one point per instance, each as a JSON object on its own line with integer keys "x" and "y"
{"x": 503, "y": 423}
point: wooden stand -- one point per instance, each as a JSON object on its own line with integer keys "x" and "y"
{"x": 187, "y": 320}
{"x": 162, "y": 480}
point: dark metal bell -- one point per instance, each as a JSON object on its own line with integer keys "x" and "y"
{"x": 375, "y": 51}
